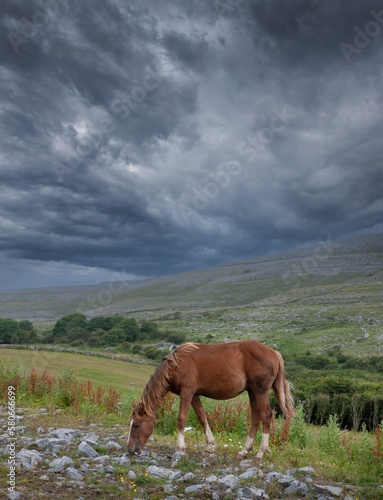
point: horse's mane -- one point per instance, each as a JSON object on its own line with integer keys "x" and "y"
{"x": 158, "y": 384}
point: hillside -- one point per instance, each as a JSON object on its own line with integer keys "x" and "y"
{"x": 271, "y": 279}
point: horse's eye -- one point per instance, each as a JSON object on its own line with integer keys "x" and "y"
{"x": 137, "y": 426}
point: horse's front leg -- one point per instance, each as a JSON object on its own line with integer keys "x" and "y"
{"x": 185, "y": 401}
{"x": 201, "y": 415}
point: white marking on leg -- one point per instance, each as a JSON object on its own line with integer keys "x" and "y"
{"x": 181, "y": 445}
{"x": 210, "y": 441}
{"x": 264, "y": 446}
{"x": 130, "y": 429}
{"x": 248, "y": 446}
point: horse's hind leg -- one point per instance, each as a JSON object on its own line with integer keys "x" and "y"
{"x": 201, "y": 415}
{"x": 265, "y": 414}
{"x": 255, "y": 419}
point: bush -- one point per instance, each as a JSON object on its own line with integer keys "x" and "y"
{"x": 93, "y": 341}
{"x": 176, "y": 337}
{"x": 115, "y": 336}
{"x": 69, "y": 323}
{"x": 77, "y": 343}
{"x": 8, "y": 327}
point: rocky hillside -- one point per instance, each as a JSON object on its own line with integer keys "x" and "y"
{"x": 233, "y": 284}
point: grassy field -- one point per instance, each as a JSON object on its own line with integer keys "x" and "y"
{"x": 101, "y": 371}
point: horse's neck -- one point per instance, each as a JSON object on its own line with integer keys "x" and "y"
{"x": 154, "y": 393}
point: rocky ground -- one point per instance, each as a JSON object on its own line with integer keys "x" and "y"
{"x": 89, "y": 461}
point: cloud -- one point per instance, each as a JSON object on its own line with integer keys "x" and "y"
{"x": 157, "y": 139}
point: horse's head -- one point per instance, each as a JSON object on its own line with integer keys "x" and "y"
{"x": 141, "y": 427}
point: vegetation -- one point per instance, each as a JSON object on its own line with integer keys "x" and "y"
{"x": 350, "y": 457}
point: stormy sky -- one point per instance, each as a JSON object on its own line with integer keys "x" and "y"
{"x": 150, "y": 137}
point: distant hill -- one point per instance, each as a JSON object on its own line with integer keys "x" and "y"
{"x": 234, "y": 284}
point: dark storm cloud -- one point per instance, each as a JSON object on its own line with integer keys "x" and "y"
{"x": 163, "y": 136}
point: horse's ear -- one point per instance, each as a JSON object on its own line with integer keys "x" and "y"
{"x": 134, "y": 404}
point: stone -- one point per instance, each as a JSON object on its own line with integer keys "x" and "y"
{"x": 175, "y": 476}
{"x": 73, "y": 473}
{"x": 306, "y": 470}
{"x": 229, "y": 481}
{"x": 132, "y": 475}
{"x": 195, "y": 488}
{"x": 29, "y": 458}
{"x": 211, "y": 479}
{"x": 159, "y": 472}
{"x": 286, "y": 481}
{"x": 112, "y": 445}
{"x": 101, "y": 459}
{"x": 14, "y": 495}
{"x": 177, "y": 456}
{"x": 188, "y": 477}
{"x": 86, "y": 449}
{"x": 297, "y": 488}
{"x": 334, "y": 491}
{"x": 168, "y": 488}
{"x": 250, "y": 473}
{"x": 91, "y": 436}
{"x": 42, "y": 443}
{"x": 59, "y": 464}
{"x": 110, "y": 469}
{"x": 255, "y": 493}
{"x": 273, "y": 476}
{"x": 124, "y": 460}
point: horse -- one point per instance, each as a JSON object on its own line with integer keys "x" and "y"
{"x": 216, "y": 371}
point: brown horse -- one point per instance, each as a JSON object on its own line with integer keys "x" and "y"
{"x": 220, "y": 371}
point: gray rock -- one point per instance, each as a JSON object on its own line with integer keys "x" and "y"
{"x": 168, "y": 488}
{"x": 101, "y": 459}
{"x": 124, "y": 460}
{"x": 177, "y": 456}
{"x": 195, "y": 488}
{"x": 132, "y": 475}
{"x": 44, "y": 477}
{"x": 273, "y": 476}
{"x": 306, "y": 470}
{"x": 229, "y": 481}
{"x": 159, "y": 472}
{"x": 73, "y": 473}
{"x": 245, "y": 464}
{"x": 66, "y": 434}
{"x": 59, "y": 464}
{"x": 29, "y": 458}
{"x": 91, "y": 436}
{"x": 86, "y": 449}
{"x": 255, "y": 493}
{"x": 42, "y": 443}
{"x": 110, "y": 469}
{"x": 175, "y": 476}
{"x": 334, "y": 491}
{"x": 215, "y": 495}
{"x": 188, "y": 477}
{"x": 286, "y": 480}
{"x": 112, "y": 445}
{"x": 14, "y": 495}
{"x": 211, "y": 479}
{"x": 297, "y": 488}
{"x": 250, "y": 473}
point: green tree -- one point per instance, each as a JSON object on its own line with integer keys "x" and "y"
{"x": 26, "y": 325}
{"x": 114, "y": 336}
{"x": 66, "y": 324}
{"x": 130, "y": 327}
{"x": 101, "y": 322}
{"x": 176, "y": 337}
{"x": 8, "y": 327}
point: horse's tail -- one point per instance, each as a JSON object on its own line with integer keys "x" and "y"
{"x": 282, "y": 390}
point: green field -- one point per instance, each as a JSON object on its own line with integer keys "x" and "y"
{"x": 101, "y": 371}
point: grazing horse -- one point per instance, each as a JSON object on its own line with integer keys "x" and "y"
{"x": 218, "y": 371}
